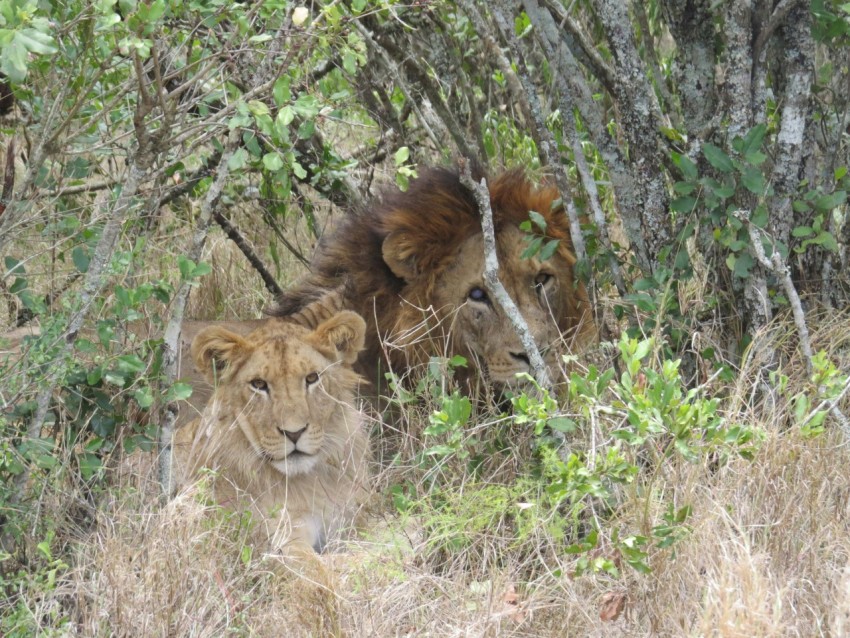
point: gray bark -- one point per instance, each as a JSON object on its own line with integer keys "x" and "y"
{"x": 640, "y": 119}
{"x": 797, "y": 67}
{"x": 692, "y": 26}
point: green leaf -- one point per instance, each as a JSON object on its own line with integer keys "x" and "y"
{"x": 285, "y": 116}
{"x": 549, "y": 249}
{"x": 131, "y": 363}
{"x": 689, "y": 168}
{"x": 562, "y": 424}
{"x": 281, "y": 91}
{"x": 753, "y": 139}
{"x": 643, "y": 349}
{"x": 828, "y": 202}
{"x": 201, "y": 269}
{"x": 717, "y": 158}
{"x": 178, "y": 392}
{"x": 186, "y": 266}
{"x": 532, "y": 249}
{"x": 306, "y": 130}
{"x": 537, "y": 219}
{"x": 802, "y": 231}
{"x": 273, "y": 161}
{"x": 401, "y": 155}
{"x": 237, "y": 160}
{"x": 299, "y": 171}
{"x": 458, "y": 361}
{"x": 80, "y": 257}
{"x": 13, "y": 61}
{"x": 684, "y": 188}
{"x": 827, "y": 241}
{"x": 683, "y": 204}
{"x": 743, "y": 264}
{"x": 36, "y": 41}
{"x": 257, "y": 108}
{"x": 144, "y": 397}
{"x": 89, "y": 464}
{"x": 753, "y": 180}
{"x": 306, "y": 106}
{"x": 14, "y": 266}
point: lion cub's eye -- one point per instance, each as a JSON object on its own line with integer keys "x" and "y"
{"x": 259, "y": 384}
{"x": 478, "y": 294}
{"x": 542, "y": 279}
{"x": 312, "y": 378}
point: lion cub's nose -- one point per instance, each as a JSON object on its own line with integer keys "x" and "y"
{"x": 521, "y": 356}
{"x": 294, "y": 436}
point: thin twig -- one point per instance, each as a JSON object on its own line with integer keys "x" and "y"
{"x": 236, "y": 237}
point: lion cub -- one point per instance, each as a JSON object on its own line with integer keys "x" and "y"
{"x": 281, "y": 429}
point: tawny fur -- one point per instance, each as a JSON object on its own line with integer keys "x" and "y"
{"x": 241, "y": 434}
{"x": 393, "y": 260}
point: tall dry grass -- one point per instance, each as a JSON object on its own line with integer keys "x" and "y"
{"x": 768, "y": 553}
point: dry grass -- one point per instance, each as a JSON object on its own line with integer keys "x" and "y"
{"x": 768, "y": 554}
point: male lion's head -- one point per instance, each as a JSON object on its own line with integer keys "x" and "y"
{"x": 413, "y": 266}
{"x": 285, "y": 386}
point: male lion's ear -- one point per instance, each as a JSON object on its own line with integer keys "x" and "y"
{"x": 399, "y": 254}
{"x": 216, "y": 349}
{"x": 344, "y": 333}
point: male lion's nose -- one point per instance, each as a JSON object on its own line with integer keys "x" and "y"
{"x": 294, "y": 436}
{"x": 521, "y": 356}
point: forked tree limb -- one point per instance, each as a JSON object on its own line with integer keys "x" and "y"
{"x": 491, "y": 276}
{"x": 777, "y": 265}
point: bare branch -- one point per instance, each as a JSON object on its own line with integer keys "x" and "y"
{"x": 392, "y": 68}
{"x": 171, "y": 338}
{"x": 491, "y": 276}
{"x": 580, "y": 46}
{"x": 776, "y": 265}
{"x": 8, "y": 175}
{"x": 236, "y": 237}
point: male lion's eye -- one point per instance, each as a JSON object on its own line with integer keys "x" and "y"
{"x": 259, "y": 384}
{"x": 542, "y": 279}
{"x": 312, "y": 378}
{"x": 478, "y": 294}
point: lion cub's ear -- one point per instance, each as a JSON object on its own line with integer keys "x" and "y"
{"x": 344, "y": 334}
{"x": 216, "y": 349}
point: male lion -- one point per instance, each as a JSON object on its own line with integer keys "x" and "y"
{"x": 281, "y": 430}
{"x": 413, "y": 266}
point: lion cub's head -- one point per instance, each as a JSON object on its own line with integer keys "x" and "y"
{"x": 287, "y": 388}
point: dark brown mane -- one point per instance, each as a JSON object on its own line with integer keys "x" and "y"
{"x": 431, "y": 219}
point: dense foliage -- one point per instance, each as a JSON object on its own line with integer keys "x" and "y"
{"x": 700, "y": 149}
